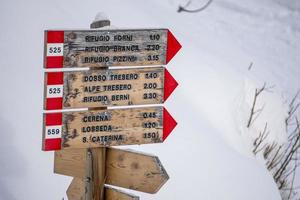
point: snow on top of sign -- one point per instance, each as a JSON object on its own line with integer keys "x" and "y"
{"x": 101, "y": 16}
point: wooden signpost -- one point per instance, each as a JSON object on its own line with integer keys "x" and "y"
{"x": 111, "y": 87}
{"x": 80, "y": 138}
{"x": 123, "y": 168}
{"x": 102, "y": 48}
{"x": 101, "y": 128}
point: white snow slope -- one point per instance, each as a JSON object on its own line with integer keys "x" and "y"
{"x": 208, "y": 156}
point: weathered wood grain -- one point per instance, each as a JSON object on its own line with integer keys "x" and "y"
{"x": 124, "y": 168}
{"x": 98, "y": 172}
{"x": 66, "y": 160}
{"x": 103, "y": 48}
{"x": 90, "y": 165}
{"x": 98, "y": 88}
{"x": 112, "y": 127}
{"x": 135, "y": 171}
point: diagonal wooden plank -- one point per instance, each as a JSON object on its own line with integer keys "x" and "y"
{"x": 76, "y": 191}
{"x": 116, "y": 194}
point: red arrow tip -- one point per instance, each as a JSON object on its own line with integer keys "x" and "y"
{"x": 170, "y": 84}
{"x": 173, "y": 47}
{"x": 169, "y": 124}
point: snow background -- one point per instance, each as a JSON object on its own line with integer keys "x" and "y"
{"x": 208, "y": 155}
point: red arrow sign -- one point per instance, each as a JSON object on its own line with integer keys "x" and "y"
{"x": 170, "y": 85}
{"x": 169, "y": 124}
{"x": 173, "y": 47}
{"x": 112, "y": 127}
{"x": 102, "y": 48}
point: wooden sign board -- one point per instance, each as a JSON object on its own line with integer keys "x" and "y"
{"x": 101, "y": 128}
{"x": 124, "y": 168}
{"x": 76, "y": 191}
{"x": 103, "y": 48}
{"x": 112, "y": 87}
{"x": 134, "y": 171}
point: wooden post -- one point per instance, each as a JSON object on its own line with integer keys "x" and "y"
{"x": 89, "y": 175}
{"x": 95, "y": 169}
{"x": 95, "y": 174}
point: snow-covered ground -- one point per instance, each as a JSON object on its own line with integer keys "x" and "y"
{"x": 208, "y": 156}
